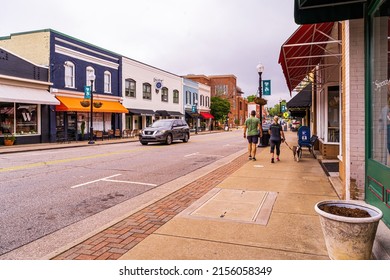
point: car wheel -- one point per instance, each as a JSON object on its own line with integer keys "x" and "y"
{"x": 168, "y": 141}
{"x": 186, "y": 137}
{"x": 144, "y": 143}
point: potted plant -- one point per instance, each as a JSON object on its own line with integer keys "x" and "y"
{"x": 97, "y": 104}
{"x": 349, "y": 228}
{"x": 261, "y": 101}
{"x": 9, "y": 139}
{"x": 85, "y": 103}
{"x": 82, "y": 128}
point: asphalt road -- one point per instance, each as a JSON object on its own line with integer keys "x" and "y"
{"x": 44, "y": 191}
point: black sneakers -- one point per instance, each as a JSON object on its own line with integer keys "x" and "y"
{"x": 272, "y": 160}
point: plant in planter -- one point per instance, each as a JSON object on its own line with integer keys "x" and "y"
{"x": 9, "y": 139}
{"x": 349, "y": 228}
{"x": 82, "y": 128}
{"x": 85, "y": 103}
{"x": 261, "y": 101}
{"x": 97, "y": 104}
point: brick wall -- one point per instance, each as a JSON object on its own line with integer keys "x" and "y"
{"x": 354, "y": 102}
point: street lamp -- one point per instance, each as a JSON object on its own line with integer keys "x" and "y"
{"x": 260, "y": 70}
{"x": 91, "y": 77}
{"x": 196, "y": 118}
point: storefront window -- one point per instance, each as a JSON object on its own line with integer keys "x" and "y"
{"x": 7, "y": 116}
{"x": 18, "y": 118}
{"x": 380, "y": 89}
{"x": 26, "y": 118}
{"x": 333, "y": 114}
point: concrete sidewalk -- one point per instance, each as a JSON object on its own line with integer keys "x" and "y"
{"x": 261, "y": 211}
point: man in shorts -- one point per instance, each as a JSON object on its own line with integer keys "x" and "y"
{"x": 253, "y": 126}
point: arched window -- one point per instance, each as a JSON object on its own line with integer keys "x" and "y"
{"x": 202, "y": 100}
{"x": 69, "y": 74}
{"x": 90, "y": 72}
{"x": 107, "y": 82}
{"x": 147, "y": 91}
{"x": 164, "y": 94}
{"x": 175, "y": 96}
{"x": 207, "y": 101}
{"x": 130, "y": 88}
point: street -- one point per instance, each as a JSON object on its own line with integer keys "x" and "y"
{"x": 45, "y": 191}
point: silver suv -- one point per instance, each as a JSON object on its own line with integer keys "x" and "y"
{"x": 165, "y": 131}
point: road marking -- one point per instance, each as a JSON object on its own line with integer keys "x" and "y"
{"x": 129, "y": 182}
{"x": 107, "y": 179}
{"x": 193, "y": 154}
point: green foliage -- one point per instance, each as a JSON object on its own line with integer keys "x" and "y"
{"x": 9, "y": 136}
{"x": 220, "y": 108}
{"x": 250, "y": 98}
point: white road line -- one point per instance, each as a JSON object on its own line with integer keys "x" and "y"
{"x": 193, "y": 154}
{"x": 129, "y": 182}
{"x": 107, "y": 179}
{"x": 94, "y": 181}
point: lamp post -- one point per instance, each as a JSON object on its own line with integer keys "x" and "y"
{"x": 196, "y": 118}
{"x": 91, "y": 78}
{"x": 260, "y": 70}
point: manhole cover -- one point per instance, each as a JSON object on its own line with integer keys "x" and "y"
{"x": 234, "y": 205}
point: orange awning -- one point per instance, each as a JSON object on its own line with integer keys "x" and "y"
{"x": 73, "y": 104}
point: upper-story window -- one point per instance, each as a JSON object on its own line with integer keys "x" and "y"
{"x": 130, "y": 88}
{"x": 147, "y": 91}
{"x": 188, "y": 97}
{"x": 175, "y": 96}
{"x": 202, "y": 100}
{"x": 164, "y": 94}
{"x": 107, "y": 82}
{"x": 195, "y": 98}
{"x": 207, "y": 101}
{"x": 69, "y": 74}
{"x": 221, "y": 90}
{"x": 90, "y": 72}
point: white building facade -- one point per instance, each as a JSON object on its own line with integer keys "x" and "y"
{"x": 149, "y": 94}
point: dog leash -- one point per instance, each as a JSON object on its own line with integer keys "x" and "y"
{"x": 288, "y": 145}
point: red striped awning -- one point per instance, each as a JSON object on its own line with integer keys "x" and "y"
{"x": 304, "y": 50}
{"x": 206, "y": 115}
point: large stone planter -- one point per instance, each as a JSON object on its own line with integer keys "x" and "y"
{"x": 349, "y": 238}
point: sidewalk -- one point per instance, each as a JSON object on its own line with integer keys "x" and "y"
{"x": 242, "y": 210}
{"x": 232, "y": 209}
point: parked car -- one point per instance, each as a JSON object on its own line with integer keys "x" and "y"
{"x": 165, "y": 131}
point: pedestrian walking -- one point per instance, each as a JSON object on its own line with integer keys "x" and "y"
{"x": 252, "y": 132}
{"x": 276, "y": 138}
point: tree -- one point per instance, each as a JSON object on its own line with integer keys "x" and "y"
{"x": 250, "y": 98}
{"x": 220, "y": 108}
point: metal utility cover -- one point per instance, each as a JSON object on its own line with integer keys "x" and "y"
{"x": 234, "y": 205}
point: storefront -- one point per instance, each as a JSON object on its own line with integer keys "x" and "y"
{"x": 24, "y": 112}
{"x": 138, "y": 119}
{"x": 72, "y": 117}
{"x": 378, "y": 108}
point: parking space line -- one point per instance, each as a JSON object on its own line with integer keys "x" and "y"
{"x": 130, "y": 182}
{"x": 107, "y": 179}
{"x": 94, "y": 181}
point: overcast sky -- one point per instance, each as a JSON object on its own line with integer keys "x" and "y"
{"x": 211, "y": 37}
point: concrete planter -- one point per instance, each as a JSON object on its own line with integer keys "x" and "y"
{"x": 349, "y": 238}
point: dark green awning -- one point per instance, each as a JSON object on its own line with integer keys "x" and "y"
{"x": 317, "y": 11}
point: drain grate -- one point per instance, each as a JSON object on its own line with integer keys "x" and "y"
{"x": 234, "y": 205}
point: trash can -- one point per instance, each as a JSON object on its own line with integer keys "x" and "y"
{"x": 264, "y": 139}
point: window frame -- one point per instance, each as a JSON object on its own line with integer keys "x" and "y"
{"x": 164, "y": 94}
{"x": 107, "y": 82}
{"x": 69, "y": 78}
{"x": 129, "y": 91}
{"x": 147, "y": 91}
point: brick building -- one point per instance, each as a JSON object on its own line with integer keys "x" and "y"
{"x": 225, "y": 86}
